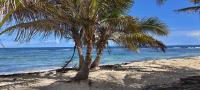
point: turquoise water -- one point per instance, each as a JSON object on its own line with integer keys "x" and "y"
{"x": 19, "y": 60}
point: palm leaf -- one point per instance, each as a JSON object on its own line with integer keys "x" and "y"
{"x": 125, "y": 24}
{"x": 139, "y": 40}
{"x": 26, "y": 31}
{"x": 195, "y": 8}
{"x": 190, "y": 9}
{"x": 136, "y": 33}
{"x": 154, "y": 26}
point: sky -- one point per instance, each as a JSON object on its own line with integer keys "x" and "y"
{"x": 184, "y": 27}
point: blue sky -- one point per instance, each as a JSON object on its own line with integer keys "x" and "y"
{"x": 184, "y": 27}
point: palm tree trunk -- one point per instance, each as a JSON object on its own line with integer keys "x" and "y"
{"x": 81, "y": 57}
{"x": 84, "y": 71}
{"x": 77, "y": 39}
{"x": 96, "y": 62}
{"x": 88, "y": 57}
{"x": 100, "y": 48}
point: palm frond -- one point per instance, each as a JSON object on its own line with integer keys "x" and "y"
{"x": 113, "y": 8}
{"x": 125, "y": 24}
{"x": 26, "y": 31}
{"x": 139, "y": 40}
{"x": 163, "y": 1}
{"x": 154, "y": 26}
{"x": 43, "y": 17}
{"x": 195, "y": 8}
{"x": 190, "y": 9}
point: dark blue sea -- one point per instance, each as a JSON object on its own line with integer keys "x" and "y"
{"x": 23, "y": 60}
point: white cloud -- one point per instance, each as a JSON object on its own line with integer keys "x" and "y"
{"x": 195, "y": 34}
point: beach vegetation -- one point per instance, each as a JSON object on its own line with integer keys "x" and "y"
{"x": 89, "y": 23}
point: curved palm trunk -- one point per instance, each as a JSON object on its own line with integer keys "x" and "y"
{"x": 84, "y": 70}
{"x": 100, "y": 48}
{"x": 96, "y": 62}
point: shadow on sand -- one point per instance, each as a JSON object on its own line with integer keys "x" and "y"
{"x": 182, "y": 78}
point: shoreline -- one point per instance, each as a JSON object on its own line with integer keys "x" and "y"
{"x": 102, "y": 65}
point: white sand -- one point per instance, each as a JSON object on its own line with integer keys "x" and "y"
{"x": 133, "y": 76}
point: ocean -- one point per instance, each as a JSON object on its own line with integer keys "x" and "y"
{"x": 23, "y": 60}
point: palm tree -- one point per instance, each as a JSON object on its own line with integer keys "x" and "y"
{"x": 195, "y": 8}
{"x": 85, "y": 21}
{"x": 141, "y": 37}
{"x": 32, "y": 15}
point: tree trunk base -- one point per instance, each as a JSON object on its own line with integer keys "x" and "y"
{"x": 83, "y": 73}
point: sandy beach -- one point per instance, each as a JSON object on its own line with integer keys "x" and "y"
{"x": 99, "y": 45}
{"x": 146, "y": 75}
